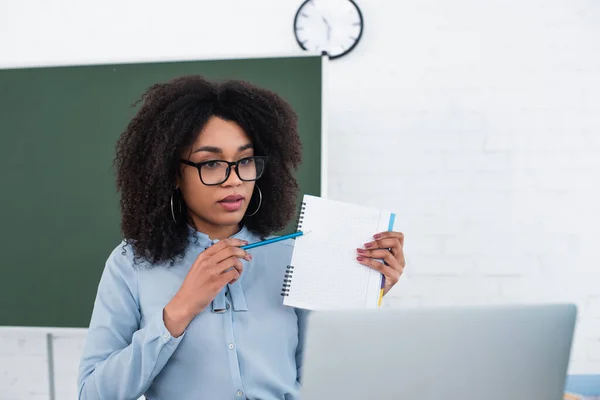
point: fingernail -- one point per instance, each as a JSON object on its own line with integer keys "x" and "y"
{"x": 367, "y": 245}
{"x": 359, "y": 258}
{"x": 360, "y": 250}
{"x": 245, "y": 242}
{"x": 250, "y": 256}
{"x": 377, "y": 236}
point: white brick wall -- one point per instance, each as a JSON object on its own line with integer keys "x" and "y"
{"x": 478, "y": 122}
{"x": 23, "y": 365}
{"x": 67, "y": 348}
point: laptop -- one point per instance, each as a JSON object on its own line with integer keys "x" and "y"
{"x": 512, "y": 352}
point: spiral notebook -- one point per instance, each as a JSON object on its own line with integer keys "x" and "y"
{"x": 324, "y": 273}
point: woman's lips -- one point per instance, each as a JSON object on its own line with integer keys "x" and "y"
{"x": 231, "y": 203}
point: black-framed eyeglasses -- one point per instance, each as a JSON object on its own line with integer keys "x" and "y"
{"x": 215, "y": 172}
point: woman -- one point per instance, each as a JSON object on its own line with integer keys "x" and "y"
{"x": 182, "y": 312}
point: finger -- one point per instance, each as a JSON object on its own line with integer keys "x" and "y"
{"x": 384, "y": 243}
{"x": 390, "y": 234}
{"x": 394, "y": 246}
{"x": 228, "y": 264}
{"x": 230, "y": 251}
{"x": 391, "y": 275}
{"x": 390, "y": 243}
{"x": 400, "y": 258}
{"x": 222, "y": 244}
{"x": 230, "y": 277}
{"x": 382, "y": 254}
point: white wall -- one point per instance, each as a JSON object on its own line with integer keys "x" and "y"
{"x": 479, "y": 122}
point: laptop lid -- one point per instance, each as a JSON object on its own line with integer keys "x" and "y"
{"x": 516, "y": 352}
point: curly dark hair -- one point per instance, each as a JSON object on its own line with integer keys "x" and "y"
{"x": 169, "y": 120}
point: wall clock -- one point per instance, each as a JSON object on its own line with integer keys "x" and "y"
{"x": 333, "y": 27}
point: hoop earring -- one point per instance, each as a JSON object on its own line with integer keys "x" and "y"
{"x": 259, "y": 203}
{"x": 172, "y": 209}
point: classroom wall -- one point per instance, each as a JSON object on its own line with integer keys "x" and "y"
{"x": 478, "y": 122}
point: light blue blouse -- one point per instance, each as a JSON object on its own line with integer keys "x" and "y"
{"x": 250, "y": 350}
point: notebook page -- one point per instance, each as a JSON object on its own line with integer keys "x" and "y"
{"x": 326, "y": 273}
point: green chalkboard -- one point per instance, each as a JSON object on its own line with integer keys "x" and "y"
{"x": 58, "y": 203}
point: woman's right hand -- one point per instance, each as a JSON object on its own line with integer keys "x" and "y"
{"x": 215, "y": 267}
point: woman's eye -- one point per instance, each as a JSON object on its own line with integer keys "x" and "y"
{"x": 211, "y": 164}
{"x": 245, "y": 161}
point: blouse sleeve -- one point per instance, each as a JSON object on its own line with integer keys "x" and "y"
{"x": 120, "y": 360}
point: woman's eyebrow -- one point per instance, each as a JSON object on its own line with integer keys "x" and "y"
{"x": 210, "y": 149}
{"x": 213, "y": 149}
{"x": 245, "y": 147}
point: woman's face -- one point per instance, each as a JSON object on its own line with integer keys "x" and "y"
{"x": 217, "y": 210}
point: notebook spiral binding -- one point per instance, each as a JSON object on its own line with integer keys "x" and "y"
{"x": 289, "y": 271}
{"x": 287, "y": 280}
{"x": 300, "y": 217}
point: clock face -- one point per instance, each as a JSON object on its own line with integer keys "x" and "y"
{"x": 331, "y": 26}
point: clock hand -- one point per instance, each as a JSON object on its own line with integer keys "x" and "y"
{"x": 328, "y": 28}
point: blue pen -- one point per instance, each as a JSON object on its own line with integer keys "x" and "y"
{"x": 390, "y": 228}
{"x": 268, "y": 241}
{"x": 272, "y": 240}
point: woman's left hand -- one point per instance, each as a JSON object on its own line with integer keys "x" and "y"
{"x": 387, "y": 246}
